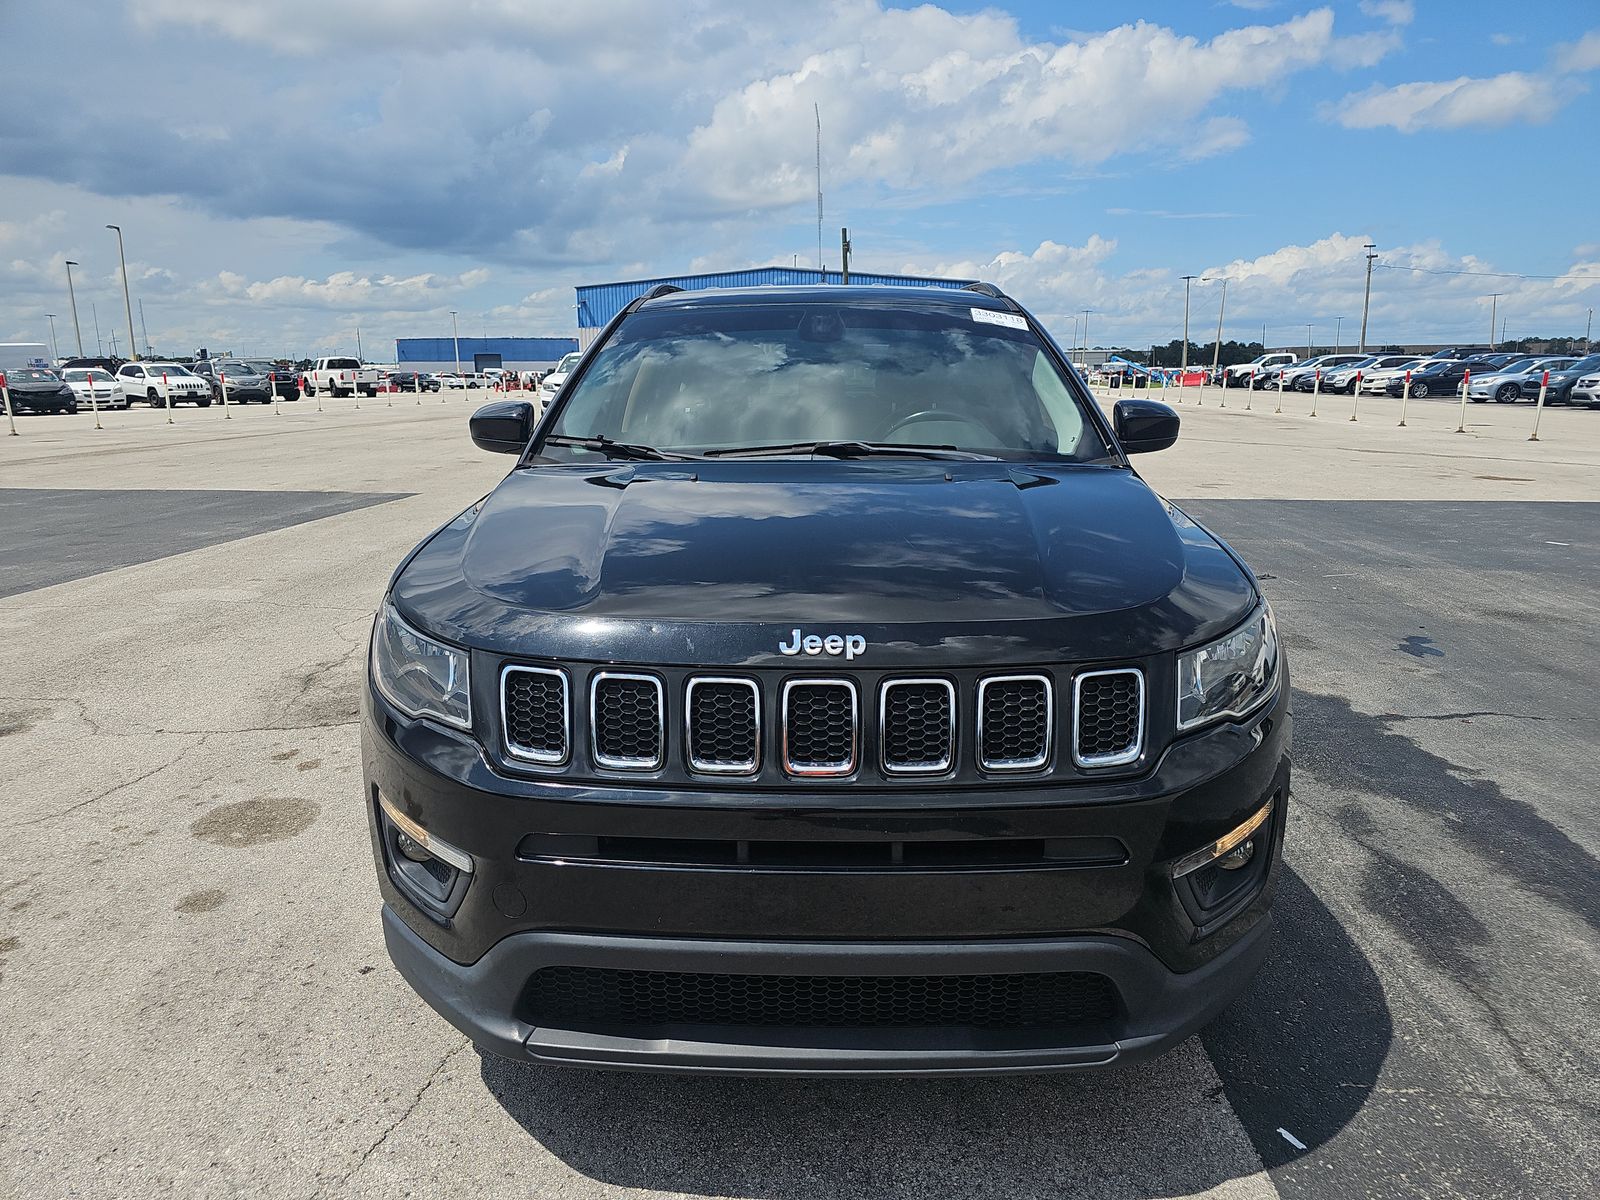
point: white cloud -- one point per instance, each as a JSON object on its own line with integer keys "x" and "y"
{"x": 1454, "y": 104}
{"x": 1581, "y": 55}
{"x": 1396, "y": 12}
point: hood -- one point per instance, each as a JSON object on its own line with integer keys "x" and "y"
{"x": 716, "y": 563}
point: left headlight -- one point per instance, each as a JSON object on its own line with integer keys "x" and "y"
{"x": 419, "y": 676}
{"x": 1231, "y": 676}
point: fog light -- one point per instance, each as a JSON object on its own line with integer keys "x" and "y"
{"x": 410, "y": 847}
{"x": 1238, "y": 856}
{"x": 1233, "y": 842}
{"x": 430, "y": 846}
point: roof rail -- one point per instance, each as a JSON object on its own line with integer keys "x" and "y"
{"x": 655, "y": 293}
{"x": 986, "y": 289}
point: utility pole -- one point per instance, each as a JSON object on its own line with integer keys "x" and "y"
{"x": 1216, "y": 353}
{"x": 1086, "y": 313}
{"x": 456, "y": 332}
{"x": 1183, "y": 368}
{"x": 133, "y": 345}
{"x": 55, "y": 347}
{"x": 144, "y": 329}
{"x": 844, "y": 251}
{"x": 1587, "y": 330}
{"x": 1338, "y": 323}
{"x": 1308, "y": 339}
{"x": 1366, "y": 301}
{"x": 99, "y": 346}
{"x": 73, "y": 296}
{"x": 359, "y": 354}
{"x": 1494, "y": 309}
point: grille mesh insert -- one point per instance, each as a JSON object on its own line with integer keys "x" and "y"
{"x": 1015, "y": 715}
{"x": 566, "y": 997}
{"x": 1108, "y": 715}
{"x": 627, "y": 721}
{"x": 917, "y": 730}
{"x": 820, "y": 728}
{"x": 536, "y": 714}
{"x": 723, "y": 733}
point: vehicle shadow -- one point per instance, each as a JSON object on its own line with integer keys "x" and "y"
{"x": 1153, "y": 1129}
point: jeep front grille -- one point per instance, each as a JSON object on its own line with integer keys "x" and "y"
{"x": 626, "y": 721}
{"x": 821, "y": 727}
{"x": 917, "y": 725}
{"x": 1109, "y": 730}
{"x": 723, "y": 727}
{"x": 1016, "y": 716}
{"x": 534, "y": 711}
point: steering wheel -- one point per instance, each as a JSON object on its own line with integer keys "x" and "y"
{"x": 928, "y": 415}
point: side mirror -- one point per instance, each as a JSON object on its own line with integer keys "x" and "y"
{"x": 503, "y": 427}
{"x": 1144, "y": 425}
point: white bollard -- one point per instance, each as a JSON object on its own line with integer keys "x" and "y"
{"x": 350, "y": 377}
{"x": 166, "y": 397}
{"x": 1538, "y": 409}
{"x": 1316, "y": 389}
{"x": 93, "y": 403}
{"x": 418, "y": 381}
{"x": 1405, "y": 399}
{"x": 1466, "y": 382}
{"x": 1355, "y": 396}
{"x": 273, "y": 384}
{"x": 222, "y": 376}
{"x": 5, "y": 388}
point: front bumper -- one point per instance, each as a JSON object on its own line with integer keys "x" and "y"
{"x": 521, "y": 910}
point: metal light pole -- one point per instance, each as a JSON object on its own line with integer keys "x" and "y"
{"x": 1183, "y": 367}
{"x": 1308, "y": 339}
{"x": 1086, "y": 313}
{"x": 1338, "y": 323}
{"x": 73, "y": 296}
{"x": 1587, "y": 330}
{"x": 1366, "y": 301}
{"x": 1216, "y": 353}
{"x": 145, "y": 329}
{"x": 359, "y": 353}
{"x": 55, "y": 346}
{"x": 1494, "y": 309}
{"x": 94, "y": 311}
{"x": 127, "y": 302}
{"x": 455, "y": 330}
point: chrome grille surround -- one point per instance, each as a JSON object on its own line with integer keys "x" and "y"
{"x": 816, "y": 768}
{"x": 930, "y": 767}
{"x": 719, "y": 766}
{"x": 1032, "y": 763}
{"x": 627, "y": 762}
{"x": 1128, "y": 753}
{"x": 543, "y": 756}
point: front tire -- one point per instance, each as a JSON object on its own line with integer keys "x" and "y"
{"x": 153, "y": 398}
{"x": 203, "y": 402}
{"x": 1419, "y": 391}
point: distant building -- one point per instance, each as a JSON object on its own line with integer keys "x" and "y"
{"x": 477, "y": 353}
{"x": 599, "y": 302}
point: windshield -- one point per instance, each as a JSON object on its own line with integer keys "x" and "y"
{"x": 1584, "y": 364}
{"x": 167, "y": 369}
{"x": 86, "y": 374}
{"x": 33, "y": 375}
{"x": 566, "y": 364}
{"x": 753, "y": 375}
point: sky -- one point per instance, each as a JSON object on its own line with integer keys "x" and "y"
{"x": 287, "y": 172}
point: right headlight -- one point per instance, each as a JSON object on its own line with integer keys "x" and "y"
{"x": 1231, "y": 676}
{"x": 421, "y": 677}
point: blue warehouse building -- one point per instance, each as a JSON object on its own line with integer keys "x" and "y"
{"x": 599, "y": 302}
{"x": 512, "y": 353}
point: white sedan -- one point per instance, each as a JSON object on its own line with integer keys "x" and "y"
{"x": 449, "y": 379}
{"x": 95, "y": 387}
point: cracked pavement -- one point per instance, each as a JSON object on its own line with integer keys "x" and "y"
{"x": 195, "y": 998}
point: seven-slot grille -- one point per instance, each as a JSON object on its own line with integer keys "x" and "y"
{"x": 1109, "y": 729}
{"x": 723, "y": 725}
{"x": 1015, "y": 715}
{"x": 626, "y": 721}
{"x": 917, "y": 725}
{"x": 533, "y": 708}
{"x": 818, "y": 728}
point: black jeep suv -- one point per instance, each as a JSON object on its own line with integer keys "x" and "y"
{"x": 822, "y": 691}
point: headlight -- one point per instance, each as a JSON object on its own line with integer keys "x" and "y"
{"x": 419, "y": 676}
{"x": 1231, "y": 676}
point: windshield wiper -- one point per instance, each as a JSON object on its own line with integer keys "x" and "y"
{"x": 628, "y": 450}
{"x": 854, "y": 449}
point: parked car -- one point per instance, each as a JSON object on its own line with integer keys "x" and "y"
{"x": 36, "y": 389}
{"x": 412, "y": 381}
{"x": 1518, "y": 381}
{"x": 449, "y": 379}
{"x": 1344, "y": 379}
{"x": 652, "y": 784}
{"x": 341, "y": 377}
{"x": 284, "y": 382}
{"x": 1303, "y": 377}
{"x": 247, "y": 384}
{"x": 551, "y": 383}
{"x": 95, "y": 387}
{"x": 1587, "y": 391}
{"x": 1239, "y": 374}
{"x": 1376, "y": 382}
{"x": 1564, "y": 380}
{"x": 1440, "y": 378}
{"x": 143, "y": 381}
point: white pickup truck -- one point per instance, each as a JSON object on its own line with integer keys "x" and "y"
{"x": 341, "y": 377}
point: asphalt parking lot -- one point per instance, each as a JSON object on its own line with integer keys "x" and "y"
{"x": 194, "y": 992}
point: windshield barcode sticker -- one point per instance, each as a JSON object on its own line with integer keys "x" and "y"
{"x": 989, "y": 317}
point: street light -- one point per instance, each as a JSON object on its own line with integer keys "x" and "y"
{"x": 455, "y": 330}
{"x": 73, "y": 296}
{"x": 1337, "y": 323}
{"x": 1086, "y": 312}
{"x": 127, "y": 303}
{"x": 1183, "y": 368}
{"x": 1308, "y": 339}
{"x": 1494, "y": 310}
{"x": 1366, "y": 301}
{"x": 1216, "y": 354}
{"x": 55, "y": 347}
